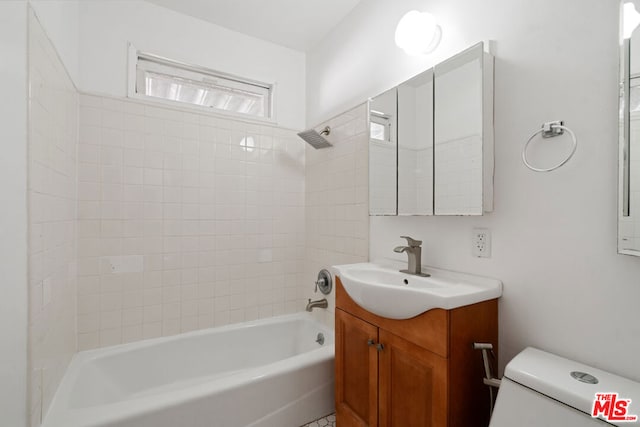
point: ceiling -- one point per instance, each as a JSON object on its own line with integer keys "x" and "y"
{"x": 297, "y": 24}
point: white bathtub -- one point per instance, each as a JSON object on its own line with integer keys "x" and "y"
{"x": 267, "y": 373}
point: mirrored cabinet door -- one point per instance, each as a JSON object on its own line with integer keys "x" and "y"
{"x": 460, "y": 134}
{"x": 629, "y": 161}
{"x": 383, "y": 129}
{"x": 415, "y": 145}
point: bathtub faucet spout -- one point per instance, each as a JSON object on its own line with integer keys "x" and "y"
{"x": 321, "y": 303}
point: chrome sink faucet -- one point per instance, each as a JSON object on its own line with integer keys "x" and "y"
{"x": 321, "y": 303}
{"x": 414, "y": 252}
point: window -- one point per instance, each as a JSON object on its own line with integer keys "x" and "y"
{"x": 378, "y": 131}
{"x": 163, "y": 79}
{"x": 380, "y": 126}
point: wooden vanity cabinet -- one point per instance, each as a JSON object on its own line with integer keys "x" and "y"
{"x": 419, "y": 372}
{"x": 356, "y": 367}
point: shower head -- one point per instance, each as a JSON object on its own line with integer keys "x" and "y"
{"x": 315, "y": 139}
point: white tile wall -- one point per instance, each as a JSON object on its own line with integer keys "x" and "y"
{"x": 53, "y": 140}
{"x": 337, "y": 210}
{"x": 186, "y": 221}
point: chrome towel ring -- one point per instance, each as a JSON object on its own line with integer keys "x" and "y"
{"x": 550, "y": 130}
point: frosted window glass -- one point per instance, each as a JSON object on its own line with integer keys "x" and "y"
{"x": 163, "y": 79}
{"x": 378, "y": 131}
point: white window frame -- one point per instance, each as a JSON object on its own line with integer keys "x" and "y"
{"x": 134, "y": 55}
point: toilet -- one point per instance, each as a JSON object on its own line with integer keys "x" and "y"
{"x": 540, "y": 389}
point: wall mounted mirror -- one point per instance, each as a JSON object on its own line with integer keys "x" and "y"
{"x": 629, "y": 159}
{"x": 415, "y": 145}
{"x": 383, "y": 184}
{"x": 462, "y": 135}
{"x": 440, "y": 126}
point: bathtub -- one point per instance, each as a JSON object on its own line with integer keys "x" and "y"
{"x": 267, "y": 373}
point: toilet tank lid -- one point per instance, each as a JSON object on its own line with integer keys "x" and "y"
{"x": 550, "y": 375}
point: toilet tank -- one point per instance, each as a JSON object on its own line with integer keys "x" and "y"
{"x": 538, "y": 390}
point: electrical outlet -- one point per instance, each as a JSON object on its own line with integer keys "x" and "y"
{"x": 481, "y": 242}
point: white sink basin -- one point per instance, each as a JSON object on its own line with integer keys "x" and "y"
{"x": 383, "y": 290}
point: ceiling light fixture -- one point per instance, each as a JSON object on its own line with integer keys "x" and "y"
{"x": 418, "y": 33}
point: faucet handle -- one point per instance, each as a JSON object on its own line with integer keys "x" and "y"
{"x": 412, "y": 242}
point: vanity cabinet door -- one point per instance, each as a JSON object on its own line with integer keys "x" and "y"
{"x": 412, "y": 384}
{"x": 356, "y": 372}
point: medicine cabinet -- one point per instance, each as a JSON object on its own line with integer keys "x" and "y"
{"x": 437, "y": 130}
{"x": 629, "y": 127}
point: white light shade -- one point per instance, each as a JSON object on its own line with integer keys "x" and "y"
{"x": 631, "y": 19}
{"x": 418, "y": 33}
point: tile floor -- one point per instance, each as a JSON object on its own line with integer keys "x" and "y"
{"x": 328, "y": 421}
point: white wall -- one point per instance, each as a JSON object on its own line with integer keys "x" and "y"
{"x": 566, "y": 289}
{"x": 13, "y": 216}
{"x": 61, "y": 21}
{"x": 358, "y": 59}
{"x": 107, "y": 26}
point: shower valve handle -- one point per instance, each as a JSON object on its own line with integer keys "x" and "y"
{"x": 320, "y": 282}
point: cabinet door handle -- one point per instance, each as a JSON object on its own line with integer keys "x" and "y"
{"x": 372, "y": 343}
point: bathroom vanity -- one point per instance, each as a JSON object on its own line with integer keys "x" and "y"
{"x": 421, "y": 371}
